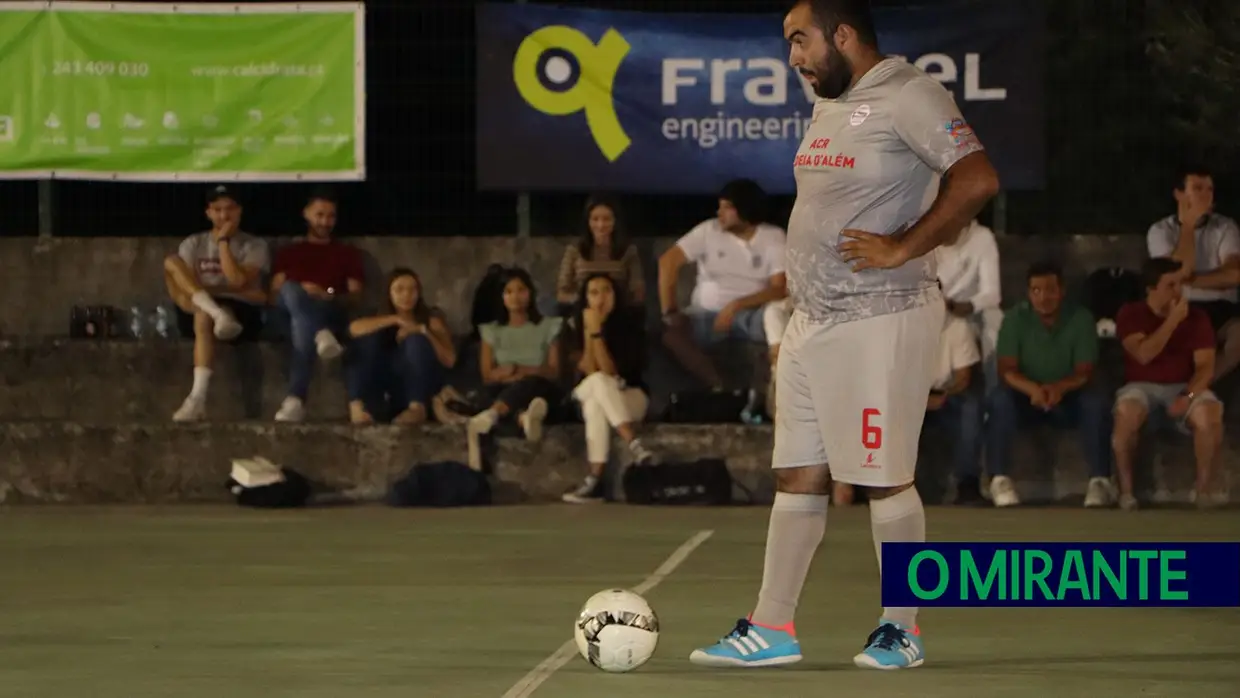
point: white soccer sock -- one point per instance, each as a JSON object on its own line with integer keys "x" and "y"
{"x": 204, "y": 302}
{"x": 202, "y": 381}
{"x": 798, "y": 522}
{"x": 898, "y": 519}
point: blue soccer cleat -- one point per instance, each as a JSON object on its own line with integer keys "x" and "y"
{"x": 892, "y": 646}
{"x": 750, "y": 645}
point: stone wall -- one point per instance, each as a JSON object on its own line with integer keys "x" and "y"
{"x": 42, "y": 279}
{"x": 67, "y": 462}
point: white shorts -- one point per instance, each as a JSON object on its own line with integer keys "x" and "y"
{"x": 853, "y": 395}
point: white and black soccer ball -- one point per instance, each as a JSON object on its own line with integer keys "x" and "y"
{"x": 616, "y": 630}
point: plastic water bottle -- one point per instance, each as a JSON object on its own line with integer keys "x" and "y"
{"x": 163, "y": 322}
{"x": 137, "y": 322}
{"x": 751, "y": 415}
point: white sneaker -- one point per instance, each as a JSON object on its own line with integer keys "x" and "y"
{"x": 226, "y": 326}
{"x": 1128, "y": 502}
{"x": 291, "y": 410}
{"x": 192, "y": 410}
{"x": 532, "y": 419}
{"x": 1099, "y": 493}
{"x": 1003, "y": 492}
{"x": 479, "y": 424}
{"x": 328, "y": 346}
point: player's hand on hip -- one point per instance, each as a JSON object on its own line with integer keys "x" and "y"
{"x": 725, "y": 318}
{"x": 862, "y": 250}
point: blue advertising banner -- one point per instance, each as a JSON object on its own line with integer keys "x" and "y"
{"x": 1078, "y": 575}
{"x": 578, "y": 99}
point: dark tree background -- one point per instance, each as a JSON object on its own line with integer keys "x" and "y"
{"x": 1134, "y": 88}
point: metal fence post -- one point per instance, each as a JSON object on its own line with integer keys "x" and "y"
{"x": 47, "y": 223}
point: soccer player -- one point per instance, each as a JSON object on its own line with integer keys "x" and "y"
{"x": 859, "y": 354}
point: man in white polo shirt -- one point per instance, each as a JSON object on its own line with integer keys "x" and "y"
{"x": 1207, "y": 244}
{"x": 740, "y": 288}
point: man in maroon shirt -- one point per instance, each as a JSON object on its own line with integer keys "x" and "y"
{"x": 314, "y": 280}
{"x": 1168, "y": 366}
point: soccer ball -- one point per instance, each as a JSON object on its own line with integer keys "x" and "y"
{"x": 616, "y": 630}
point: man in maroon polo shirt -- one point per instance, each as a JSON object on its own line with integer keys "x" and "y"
{"x": 1168, "y": 365}
{"x": 315, "y": 281}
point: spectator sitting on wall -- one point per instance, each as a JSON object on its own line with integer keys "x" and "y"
{"x": 520, "y": 362}
{"x": 969, "y": 273}
{"x": 398, "y": 361}
{"x": 215, "y": 279}
{"x": 1208, "y": 245}
{"x": 741, "y": 286}
{"x": 607, "y": 349}
{"x": 1046, "y": 355}
{"x": 316, "y": 281}
{"x": 602, "y": 249}
{"x": 1168, "y": 365}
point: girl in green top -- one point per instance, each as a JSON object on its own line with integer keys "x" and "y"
{"x": 520, "y": 364}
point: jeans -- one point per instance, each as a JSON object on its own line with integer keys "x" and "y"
{"x": 387, "y": 377}
{"x": 307, "y": 317}
{"x": 1086, "y": 410}
{"x": 746, "y": 324}
{"x": 961, "y": 418}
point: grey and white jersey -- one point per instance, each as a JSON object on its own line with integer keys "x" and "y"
{"x": 866, "y": 163}
{"x": 202, "y": 254}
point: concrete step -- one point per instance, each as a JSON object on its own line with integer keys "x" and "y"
{"x": 59, "y": 461}
{"x": 118, "y": 382}
{"x": 114, "y": 382}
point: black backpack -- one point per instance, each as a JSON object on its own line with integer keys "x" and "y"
{"x": 1109, "y": 289}
{"x": 440, "y": 484}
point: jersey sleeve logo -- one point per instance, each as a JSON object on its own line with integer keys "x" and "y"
{"x": 961, "y": 133}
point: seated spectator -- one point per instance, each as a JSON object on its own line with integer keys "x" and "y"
{"x": 1168, "y": 365}
{"x": 1208, "y": 245}
{"x": 607, "y": 349}
{"x": 215, "y": 279}
{"x": 316, "y": 282}
{"x": 955, "y": 408}
{"x": 602, "y": 249}
{"x": 398, "y": 360}
{"x": 741, "y": 285}
{"x": 1046, "y": 358}
{"x": 969, "y": 273}
{"x": 520, "y": 362}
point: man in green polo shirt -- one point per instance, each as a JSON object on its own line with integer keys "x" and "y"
{"x": 1046, "y": 354}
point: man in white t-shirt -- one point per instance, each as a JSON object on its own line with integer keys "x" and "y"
{"x": 741, "y": 287}
{"x": 968, "y": 267}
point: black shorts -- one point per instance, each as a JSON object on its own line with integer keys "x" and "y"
{"x": 248, "y": 314}
{"x": 1220, "y": 312}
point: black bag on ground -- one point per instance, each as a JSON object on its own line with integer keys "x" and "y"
{"x": 440, "y": 484}
{"x": 704, "y": 481}
{"x": 291, "y": 493}
{"x": 706, "y": 407}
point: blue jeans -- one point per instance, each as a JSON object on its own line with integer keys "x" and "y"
{"x": 961, "y": 418}
{"x": 1086, "y": 410}
{"x": 307, "y": 316}
{"x": 387, "y": 377}
{"x": 746, "y": 324}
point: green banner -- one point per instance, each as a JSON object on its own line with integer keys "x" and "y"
{"x": 182, "y": 92}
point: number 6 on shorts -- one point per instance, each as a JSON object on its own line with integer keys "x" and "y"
{"x": 871, "y": 434}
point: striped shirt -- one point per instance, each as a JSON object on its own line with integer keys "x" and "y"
{"x": 626, "y": 271}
